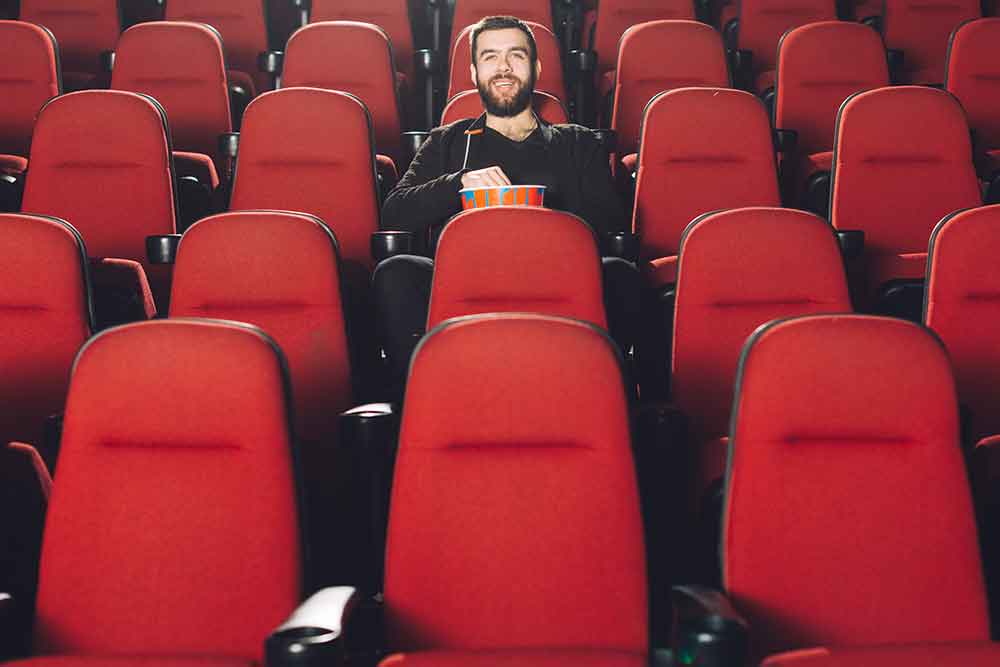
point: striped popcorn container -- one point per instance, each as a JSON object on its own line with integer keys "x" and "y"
{"x": 506, "y": 195}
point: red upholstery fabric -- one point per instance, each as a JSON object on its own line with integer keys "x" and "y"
{"x": 241, "y": 24}
{"x": 129, "y": 661}
{"x": 549, "y": 81}
{"x": 662, "y": 270}
{"x": 847, "y": 495}
{"x": 971, "y": 76}
{"x": 278, "y": 271}
{"x": 390, "y": 15}
{"x": 101, "y": 161}
{"x": 198, "y": 165}
{"x": 763, "y": 22}
{"x": 819, "y": 66}
{"x": 83, "y": 30}
{"x": 354, "y": 58}
{"x": 12, "y": 165}
{"x": 962, "y": 286}
{"x": 517, "y": 259}
{"x": 902, "y": 161}
{"x": 165, "y": 553}
{"x": 183, "y": 67}
{"x": 658, "y": 56}
{"x": 702, "y": 149}
{"x": 26, "y": 83}
{"x": 614, "y": 17}
{"x": 524, "y": 492}
{"x": 128, "y": 276}
{"x": 467, "y": 104}
{"x": 973, "y": 654}
{"x": 309, "y": 150}
{"x": 387, "y": 171}
{"x": 468, "y": 12}
{"x": 921, "y": 31}
{"x": 537, "y": 658}
{"x": 45, "y": 317}
{"x": 739, "y": 269}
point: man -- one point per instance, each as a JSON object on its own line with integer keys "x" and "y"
{"x": 508, "y": 144}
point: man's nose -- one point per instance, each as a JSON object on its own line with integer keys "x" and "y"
{"x": 504, "y": 65}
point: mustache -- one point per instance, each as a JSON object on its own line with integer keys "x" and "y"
{"x": 501, "y": 77}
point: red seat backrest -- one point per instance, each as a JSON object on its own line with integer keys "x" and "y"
{"x": 549, "y": 81}
{"x": 354, "y": 58}
{"x": 242, "y": 26}
{"x": 763, "y": 22}
{"x": 614, "y": 17}
{"x": 176, "y": 491}
{"x": 101, "y": 160}
{"x": 962, "y": 284}
{"x": 971, "y": 76}
{"x": 515, "y": 432}
{"x": 701, "y": 150}
{"x": 83, "y": 29}
{"x": 819, "y": 66}
{"x": 45, "y": 314}
{"x": 739, "y": 269}
{"x": 921, "y": 31}
{"x": 31, "y": 79}
{"x": 469, "y": 12}
{"x": 278, "y": 271}
{"x": 517, "y": 259}
{"x": 310, "y": 150}
{"x": 846, "y": 493}
{"x": 390, "y": 15}
{"x": 468, "y": 104}
{"x": 183, "y": 67}
{"x": 657, "y": 56}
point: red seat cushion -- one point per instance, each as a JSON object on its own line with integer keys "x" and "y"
{"x": 972, "y": 654}
{"x": 520, "y": 658}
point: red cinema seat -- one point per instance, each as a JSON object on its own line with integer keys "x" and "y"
{"x": 761, "y": 25}
{"x": 140, "y": 11}
{"x": 972, "y": 654}
{"x": 920, "y": 32}
{"x": 819, "y": 66}
{"x": 86, "y": 32}
{"x": 310, "y": 150}
{"x": 27, "y": 82}
{"x": 468, "y": 104}
{"x": 45, "y": 315}
{"x": 614, "y": 17}
{"x": 971, "y": 75}
{"x": 701, "y": 150}
{"x": 658, "y": 56}
{"x": 469, "y": 12}
{"x": 354, "y": 58}
{"x": 183, "y": 67}
{"x": 517, "y": 259}
{"x": 101, "y": 160}
{"x": 390, "y": 15}
{"x": 244, "y": 33}
{"x": 519, "y": 421}
{"x": 843, "y": 456}
{"x": 738, "y": 270}
{"x": 549, "y": 81}
{"x": 173, "y": 525}
{"x": 902, "y": 161}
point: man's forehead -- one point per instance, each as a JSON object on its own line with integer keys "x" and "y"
{"x": 502, "y": 40}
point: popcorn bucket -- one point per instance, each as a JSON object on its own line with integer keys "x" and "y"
{"x": 502, "y": 195}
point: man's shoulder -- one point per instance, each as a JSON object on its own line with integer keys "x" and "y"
{"x": 572, "y": 133}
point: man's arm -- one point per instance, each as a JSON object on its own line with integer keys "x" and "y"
{"x": 600, "y": 204}
{"x": 427, "y": 194}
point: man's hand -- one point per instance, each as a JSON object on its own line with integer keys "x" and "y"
{"x": 485, "y": 177}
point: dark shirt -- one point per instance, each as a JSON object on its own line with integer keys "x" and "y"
{"x": 568, "y": 159}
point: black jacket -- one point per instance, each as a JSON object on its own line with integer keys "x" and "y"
{"x": 579, "y": 177}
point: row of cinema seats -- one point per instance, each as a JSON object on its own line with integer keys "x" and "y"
{"x": 520, "y": 422}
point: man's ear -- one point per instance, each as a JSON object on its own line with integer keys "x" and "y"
{"x": 472, "y": 72}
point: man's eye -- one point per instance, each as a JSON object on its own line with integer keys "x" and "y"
{"x": 518, "y": 56}
{"x": 488, "y": 58}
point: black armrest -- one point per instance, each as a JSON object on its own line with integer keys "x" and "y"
{"x": 852, "y": 242}
{"x": 427, "y": 62}
{"x": 412, "y": 141}
{"x": 303, "y": 7}
{"x": 993, "y": 190}
{"x": 583, "y": 60}
{"x": 874, "y": 22}
{"x": 107, "y": 61}
{"x": 271, "y": 62}
{"x": 621, "y": 244}
{"x": 582, "y": 63}
{"x": 895, "y": 59}
{"x": 741, "y": 62}
{"x": 786, "y": 141}
{"x": 368, "y": 437}
{"x": 162, "y": 249}
{"x": 9, "y": 627}
{"x": 229, "y": 144}
{"x": 709, "y": 632}
{"x": 436, "y": 6}
{"x": 313, "y": 634}
{"x": 386, "y": 244}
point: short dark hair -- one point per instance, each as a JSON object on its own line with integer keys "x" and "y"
{"x": 503, "y": 23}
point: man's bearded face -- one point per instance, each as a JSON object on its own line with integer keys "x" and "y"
{"x": 505, "y": 75}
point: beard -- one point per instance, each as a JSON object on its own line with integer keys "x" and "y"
{"x": 505, "y": 107}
